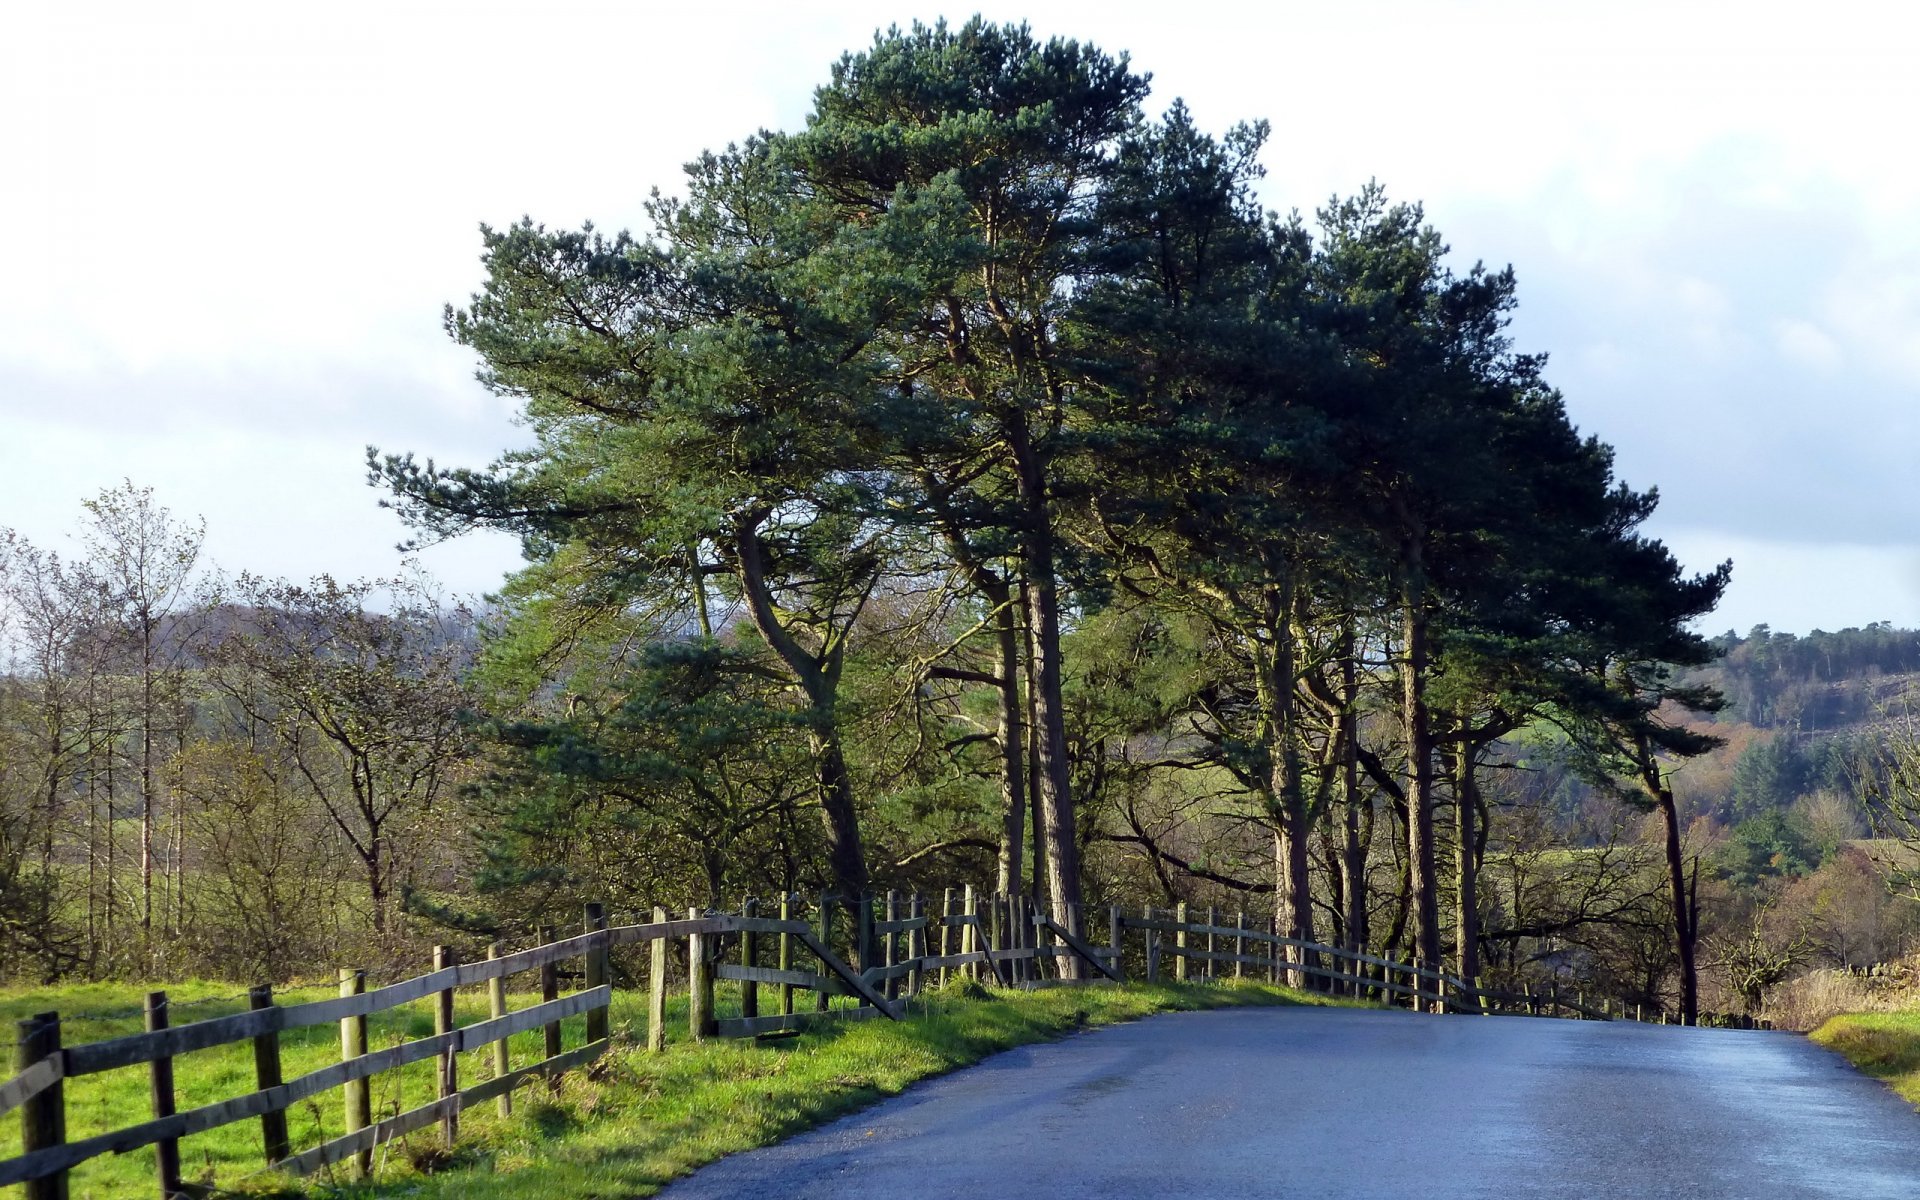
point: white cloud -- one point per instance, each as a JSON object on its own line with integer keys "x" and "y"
{"x": 236, "y": 223}
{"x": 1806, "y": 344}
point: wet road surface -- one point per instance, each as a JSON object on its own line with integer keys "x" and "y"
{"x": 1303, "y": 1102}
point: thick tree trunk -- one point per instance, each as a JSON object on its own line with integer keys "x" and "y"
{"x": 1293, "y": 899}
{"x": 839, "y": 815}
{"x": 1684, "y": 932}
{"x": 1013, "y": 744}
{"x": 1422, "y": 884}
{"x": 846, "y": 857}
{"x": 1042, "y": 588}
{"x": 1466, "y": 805}
{"x": 1353, "y": 850}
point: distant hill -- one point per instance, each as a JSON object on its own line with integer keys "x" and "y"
{"x": 1823, "y": 682}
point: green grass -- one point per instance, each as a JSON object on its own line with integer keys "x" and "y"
{"x": 624, "y": 1129}
{"x": 1884, "y": 1045}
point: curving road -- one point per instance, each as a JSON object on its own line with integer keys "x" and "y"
{"x": 1303, "y": 1102}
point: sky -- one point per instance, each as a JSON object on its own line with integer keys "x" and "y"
{"x": 236, "y": 226}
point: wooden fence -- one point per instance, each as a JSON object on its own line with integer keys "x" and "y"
{"x": 896, "y": 947}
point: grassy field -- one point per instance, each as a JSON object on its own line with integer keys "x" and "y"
{"x": 624, "y": 1129}
{"x": 1884, "y": 1045}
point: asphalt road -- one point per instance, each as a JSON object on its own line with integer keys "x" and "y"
{"x": 1299, "y": 1102}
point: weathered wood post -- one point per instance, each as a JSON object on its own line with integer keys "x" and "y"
{"x": 820, "y": 998}
{"x": 997, "y": 935}
{"x": 1116, "y": 928}
{"x": 863, "y": 934}
{"x": 1152, "y": 945}
{"x": 784, "y": 950}
{"x": 358, "y": 1093}
{"x": 1027, "y": 935}
{"x": 43, "y": 1119}
{"x": 749, "y": 957}
{"x": 946, "y": 932}
{"x": 657, "y": 987}
{"x": 1273, "y": 949}
{"x": 1240, "y": 943}
{"x": 502, "y": 1054}
{"x": 598, "y": 967}
{"x": 266, "y": 1074}
{"x": 890, "y": 988}
{"x": 699, "y": 983}
{"x": 970, "y": 931}
{"x": 166, "y": 1152}
{"x": 917, "y": 944}
{"x": 1180, "y": 942}
{"x": 447, "y": 1076}
{"x": 549, "y": 990}
{"x": 1213, "y": 919}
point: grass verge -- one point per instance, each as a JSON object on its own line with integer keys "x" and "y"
{"x": 1884, "y": 1045}
{"x": 624, "y": 1129}
{"x": 646, "y": 1119}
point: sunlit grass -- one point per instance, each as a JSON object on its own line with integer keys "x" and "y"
{"x": 1884, "y": 1045}
{"x": 624, "y": 1129}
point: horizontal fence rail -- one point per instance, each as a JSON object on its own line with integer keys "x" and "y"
{"x": 897, "y": 948}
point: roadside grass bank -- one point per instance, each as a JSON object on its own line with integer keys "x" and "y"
{"x": 642, "y": 1120}
{"x": 626, "y": 1127}
{"x": 1885, "y": 1045}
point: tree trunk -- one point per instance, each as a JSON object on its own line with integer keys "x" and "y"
{"x": 146, "y": 789}
{"x": 1293, "y": 898}
{"x": 1050, "y": 724}
{"x": 1466, "y": 805}
{"x": 839, "y": 815}
{"x": 1683, "y": 927}
{"x": 1422, "y": 885}
{"x": 1353, "y": 851}
{"x": 1013, "y": 743}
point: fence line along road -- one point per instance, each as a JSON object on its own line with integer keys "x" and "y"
{"x": 888, "y": 954}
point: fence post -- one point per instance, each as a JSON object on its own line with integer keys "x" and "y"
{"x": 353, "y": 1044}
{"x": 863, "y": 933}
{"x": 1040, "y": 937}
{"x": 890, "y": 988}
{"x": 597, "y": 968}
{"x": 997, "y": 935}
{"x": 785, "y": 951}
{"x": 970, "y": 930}
{"x": 699, "y": 984}
{"x": 1115, "y": 929}
{"x": 1180, "y": 942}
{"x": 43, "y": 1119}
{"x": 1213, "y": 966}
{"x": 549, "y": 990}
{"x": 820, "y": 998}
{"x": 166, "y": 1152}
{"x": 1240, "y": 943}
{"x": 266, "y": 1074}
{"x": 946, "y": 933}
{"x": 917, "y": 945}
{"x": 749, "y": 957}
{"x": 449, "y": 1074}
{"x": 502, "y": 1053}
{"x": 1153, "y": 947}
{"x": 657, "y": 987}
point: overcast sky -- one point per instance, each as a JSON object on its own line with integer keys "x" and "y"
{"x": 233, "y": 228}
